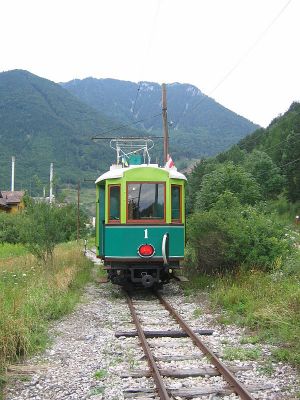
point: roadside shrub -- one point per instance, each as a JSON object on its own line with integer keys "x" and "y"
{"x": 227, "y": 177}
{"x": 10, "y": 227}
{"x": 45, "y": 225}
{"x": 230, "y": 235}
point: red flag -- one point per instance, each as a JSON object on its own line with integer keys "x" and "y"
{"x": 169, "y": 163}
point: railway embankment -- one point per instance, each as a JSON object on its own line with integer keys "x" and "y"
{"x": 33, "y": 295}
{"x": 87, "y": 361}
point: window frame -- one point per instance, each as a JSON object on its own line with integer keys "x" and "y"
{"x": 145, "y": 220}
{"x": 113, "y": 221}
{"x": 177, "y": 220}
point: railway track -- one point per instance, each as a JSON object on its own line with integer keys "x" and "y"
{"x": 176, "y": 328}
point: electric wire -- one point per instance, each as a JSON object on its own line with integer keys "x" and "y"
{"x": 282, "y": 141}
{"x": 156, "y": 14}
{"x": 282, "y": 172}
{"x": 241, "y": 146}
{"x": 241, "y": 59}
{"x": 125, "y": 126}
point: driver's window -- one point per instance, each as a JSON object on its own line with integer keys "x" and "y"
{"x": 114, "y": 203}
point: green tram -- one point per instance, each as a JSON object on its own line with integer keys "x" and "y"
{"x": 140, "y": 221}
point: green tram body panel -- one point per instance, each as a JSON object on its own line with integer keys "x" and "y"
{"x": 120, "y": 240}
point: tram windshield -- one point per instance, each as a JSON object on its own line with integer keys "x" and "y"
{"x": 146, "y": 201}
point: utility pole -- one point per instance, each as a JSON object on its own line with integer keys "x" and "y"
{"x": 51, "y": 184}
{"x": 13, "y": 160}
{"x": 165, "y": 122}
{"x": 78, "y": 210}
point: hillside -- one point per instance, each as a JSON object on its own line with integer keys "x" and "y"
{"x": 271, "y": 156}
{"x": 199, "y": 126}
{"x": 281, "y": 141}
{"x": 40, "y": 122}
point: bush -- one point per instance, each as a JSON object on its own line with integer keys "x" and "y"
{"x": 10, "y": 227}
{"x": 45, "y": 225}
{"x": 227, "y": 177}
{"x": 230, "y": 235}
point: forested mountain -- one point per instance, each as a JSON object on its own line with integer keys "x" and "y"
{"x": 281, "y": 141}
{"x": 40, "y": 122}
{"x": 270, "y": 156}
{"x": 199, "y": 126}
{"x": 43, "y": 122}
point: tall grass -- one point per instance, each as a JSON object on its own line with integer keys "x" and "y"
{"x": 32, "y": 295}
{"x": 11, "y": 250}
{"x": 266, "y": 302}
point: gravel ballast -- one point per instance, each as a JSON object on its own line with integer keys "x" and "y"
{"x": 86, "y": 360}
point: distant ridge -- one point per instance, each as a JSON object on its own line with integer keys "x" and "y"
{"x": 42, "y": 122}
{"x": 199, "y": 125}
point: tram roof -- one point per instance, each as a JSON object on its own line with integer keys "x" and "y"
{"x": 117, "y": 171}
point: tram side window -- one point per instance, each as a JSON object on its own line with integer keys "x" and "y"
{"x": 175, "y": 201}
{"x": 146, "y": 201}
{"x": 114, "y": 203}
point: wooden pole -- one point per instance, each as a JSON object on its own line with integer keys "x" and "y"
{"x": 78, "y": 210}
{"x": 165, "y": 122}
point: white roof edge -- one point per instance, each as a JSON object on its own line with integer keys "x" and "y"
{"x": 119, "y": 172}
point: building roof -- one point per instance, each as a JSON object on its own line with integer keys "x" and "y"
{"x": 118, "y": 172}
{"x": 8, "y": 197}
{"x": 3, "y": 203}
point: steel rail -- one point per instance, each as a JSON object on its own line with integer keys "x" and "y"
{"x": 161, "y": 388}
{"x": 237, "y": 386}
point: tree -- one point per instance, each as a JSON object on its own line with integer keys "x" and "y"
{"x": 227, "y": 177}
{"x": 230, "y": 235}
{"x": 195, "y": 179}
{"x": 47, "y": 225}
{"x": 291, "y": 165}
{"x": 265, "y": 172}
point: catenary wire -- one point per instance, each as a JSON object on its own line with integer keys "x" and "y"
{"x": 126, "y": 126}
{"x": 242, "y": 146}
{"x": 147, "y": 52}
{"x": 240, "y": 60}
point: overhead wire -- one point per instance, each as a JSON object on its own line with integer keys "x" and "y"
{"x": 255, "y": 176}
{"x": 241, "y": 146}
{"x": 126, "y": 125}
{"x": 139, "y": 84}
{"x": 156, "y": 14}
{"x": 241, "y": 59}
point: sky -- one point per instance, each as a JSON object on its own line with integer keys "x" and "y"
{"x": 243, "y": 53}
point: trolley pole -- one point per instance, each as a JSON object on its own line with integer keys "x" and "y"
{"x": 165, "y": 122}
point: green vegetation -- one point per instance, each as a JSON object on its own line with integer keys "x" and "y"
{"x": 31, "y": 296}
{"x": 242, "y": 354}
{"x": 227, "y": 178}
{"x": 267, "y": 303}
{"x": 243, "y": 243}
{"x": 10, "y": 225}
{"x": 87, "y": 198}
{"x": 39, "y": 228}
{"x": 100, "y": 374}
{"x": 38, "y": 287}
{"x": 230, "y": 235}
{"x": 8, "y": 250}
{"x": 43, "y": 122}
{"x": 44, "y": 226}
{"x": 199, "y": 130}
